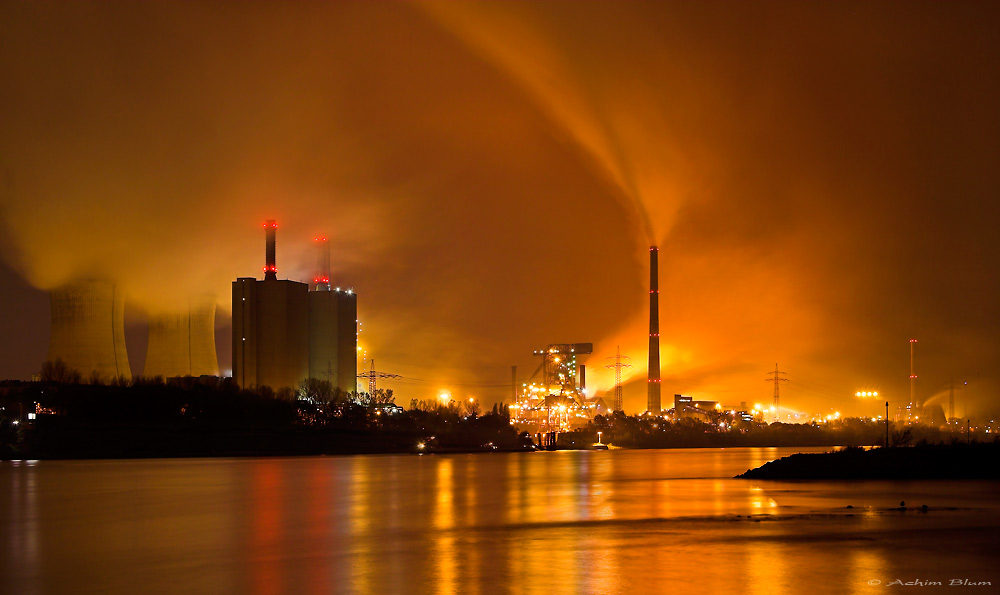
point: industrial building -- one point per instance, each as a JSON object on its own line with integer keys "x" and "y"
{"x": 333, "y": 335}
{"x": 88, "y": 329}
{"x": 284, "y": 333}
{"x": 183, "y": 343}
{"x": 686, "y": 407}
{"x": 559, "y": 403}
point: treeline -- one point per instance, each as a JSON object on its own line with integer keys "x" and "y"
{"x": 214, "y": 417}
{"x": 638, "y": 431}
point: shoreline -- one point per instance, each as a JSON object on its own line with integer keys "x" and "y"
{"x": 301, "y": 450}
{"x": 977, "y": 460}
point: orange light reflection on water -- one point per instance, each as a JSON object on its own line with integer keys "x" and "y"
{"x": 613, "y": 522}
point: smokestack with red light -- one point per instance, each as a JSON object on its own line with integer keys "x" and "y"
{"x": 321, "y": 282}
{"x": 270, "y": 269}
{"x": 653, "y": 380}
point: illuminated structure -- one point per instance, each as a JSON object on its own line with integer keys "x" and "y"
{"x": 653, "y": 379}
{"x": 183, "y": 344}
{"x": 88, "y": 329}
{"x": 685, "y": 407}
{"x": 284, "y": 333}
{"x": 556, "y": 404}
{"x": 270, "y": 326}
{"x": 333, "y": 334}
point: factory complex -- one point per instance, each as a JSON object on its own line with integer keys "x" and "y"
{"x": 284, "y": 331}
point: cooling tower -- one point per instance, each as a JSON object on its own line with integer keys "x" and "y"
{"x": 88, "y": 329}
{"x": 653, "y": 379}
{"x": 183, "y": 343}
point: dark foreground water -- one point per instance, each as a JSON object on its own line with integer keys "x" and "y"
{"x": 548, "y": 522}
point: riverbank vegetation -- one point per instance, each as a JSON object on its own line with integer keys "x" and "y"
{"x": 642, "y": 431}
{"x": 209, "y": 417}
{"x": 66, "y": 418}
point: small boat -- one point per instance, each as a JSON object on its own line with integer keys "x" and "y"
{"x": 600, "y": 446}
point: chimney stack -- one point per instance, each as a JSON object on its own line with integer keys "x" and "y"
{"x": 321, "y": 282}
{"x": 270, "y": 269}
{"x": 653, "y": 379}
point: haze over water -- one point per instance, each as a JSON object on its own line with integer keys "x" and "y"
{"x": 561, "y": 522}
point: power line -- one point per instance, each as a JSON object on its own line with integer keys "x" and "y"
{"x": 777, "y": 379}
{"x": 617, "y": 366}
{"x": 373, "y": 377}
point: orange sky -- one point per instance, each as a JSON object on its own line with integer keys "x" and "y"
{"x": 821, "y": 179}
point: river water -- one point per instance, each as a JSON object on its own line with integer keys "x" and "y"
{"x": 623, "y": 521}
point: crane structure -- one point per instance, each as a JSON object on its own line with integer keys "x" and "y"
{"x": 777, "y": 379}
{"x": 618, "y": 366}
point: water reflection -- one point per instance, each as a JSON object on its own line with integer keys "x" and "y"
{"x": 595, "y": 522}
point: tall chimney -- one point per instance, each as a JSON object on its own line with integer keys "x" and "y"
{"x": 270, "y": 270}
{"x": 583, "y": 377}
{"x": 321, "y": 282}
{"x": 653, "y": 380}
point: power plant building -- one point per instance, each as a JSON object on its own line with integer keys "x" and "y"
{"x": 333, "y": 353}
{"x": 283, "y": 333}
{"x": 183, "y": 343}
{"x": 88, "y": 329}
{"x": 270, "y": 332}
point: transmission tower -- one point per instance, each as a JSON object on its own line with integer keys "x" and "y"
{"x": 777, "y": 380}
{"x": 618, "y": 365}
{"x": 373, "y": 376}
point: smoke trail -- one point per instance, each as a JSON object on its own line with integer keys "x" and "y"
{"x": 617, "y": 139}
